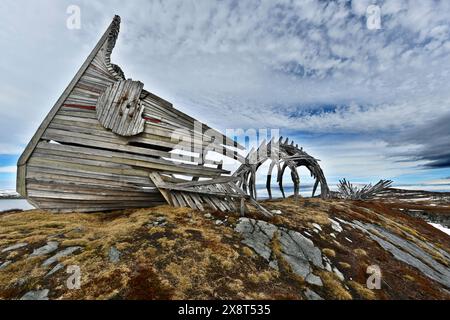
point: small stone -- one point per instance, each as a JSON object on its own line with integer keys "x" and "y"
{"x": 36, "y": 295}
{"x": 5, "y": 264}
{"x": 15, "y": 247}
{"x": 335, "y": 226}
{"x": 114, "y": 255}
{"x": 48, "y": 248}
{"x": 63, "y": 253}
{"x": 219, "y": 222}
{"x": 160, "y": 219}
{"x": 338, "y": 273}
{"x": 328, "y": 267}
{"x": 277, "y": 212}
{"x": 317, "y": 227}
{"x": 20, "y": 282}
{"x": 165, "y": 223}
{"x": 333, "y": 235}
{"x": 307, "y": 233}
{"x": 313, "y": 279}
{"x": 348, "y": 240}
{"x": 274, "y": 265}
{"x": 208, "y": 215}
{"x": 311, "y": 295}
{"x": 55, "y": 269}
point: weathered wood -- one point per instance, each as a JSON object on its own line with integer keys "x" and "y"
{"x": 119, "y": 108}
{"x": 20, "y": 182}
{"x": 156, "y": 179}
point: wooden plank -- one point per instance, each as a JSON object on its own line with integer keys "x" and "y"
{"x": 174, "y": 200}
{"x": 89, "y": 206}
{"x": 180, "y": 199}
{"x": 81, "y": 196}
{"x": 209, "y": 202}
{"x": 161, "y": 164}
{"x": 206, "y": 129}
{"x": 110, "y": 184}
{"x": 218, "y": 203}
{"x": 84, "y": 168}
{"x": 198, "y": 202}
{"x": 20, "y": 180}
{"x": 88, "y": 186}
{"x": 188, "y": 200}
{"x": 207, "y": 182}
{"x": 156, "y": 179}
{"x": 102, "y": 177}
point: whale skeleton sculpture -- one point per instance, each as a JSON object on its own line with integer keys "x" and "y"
{"x": 108, "y": 144}
{"x": 282, "y": 155}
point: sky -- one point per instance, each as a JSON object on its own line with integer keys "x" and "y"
{"x": 371, "y": 103}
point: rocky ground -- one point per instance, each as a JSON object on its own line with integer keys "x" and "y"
{"x": 310, "y": 249}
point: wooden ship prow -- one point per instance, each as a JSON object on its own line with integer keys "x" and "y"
{"x": 109, "y": 144}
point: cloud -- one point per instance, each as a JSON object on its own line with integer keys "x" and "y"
{"x": 8, "y": 169}
{"x": 432, "y": 143}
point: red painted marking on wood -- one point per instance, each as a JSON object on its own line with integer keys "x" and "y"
{"x": 152, "y": 119}
{"x": 80, "y": 106}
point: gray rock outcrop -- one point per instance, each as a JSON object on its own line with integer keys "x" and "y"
{"x": 297, "y": 250}
{"x": 36, "y": 295}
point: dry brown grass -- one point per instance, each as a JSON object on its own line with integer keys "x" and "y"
{"x": 360, "y": 252}
{"x": 362, "y": 291}
{"x": 344, "y": 265}
{"x": 333, "y": 286}
{"x": 188, "y": 258}
{"x": 263, "y": 277}
{"x": 409, "y": 277}
{"x": 329, "y": 252}
{"x": 248, "y": 252}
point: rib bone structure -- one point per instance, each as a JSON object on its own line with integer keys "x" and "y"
{"x": 281, "y": 155}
